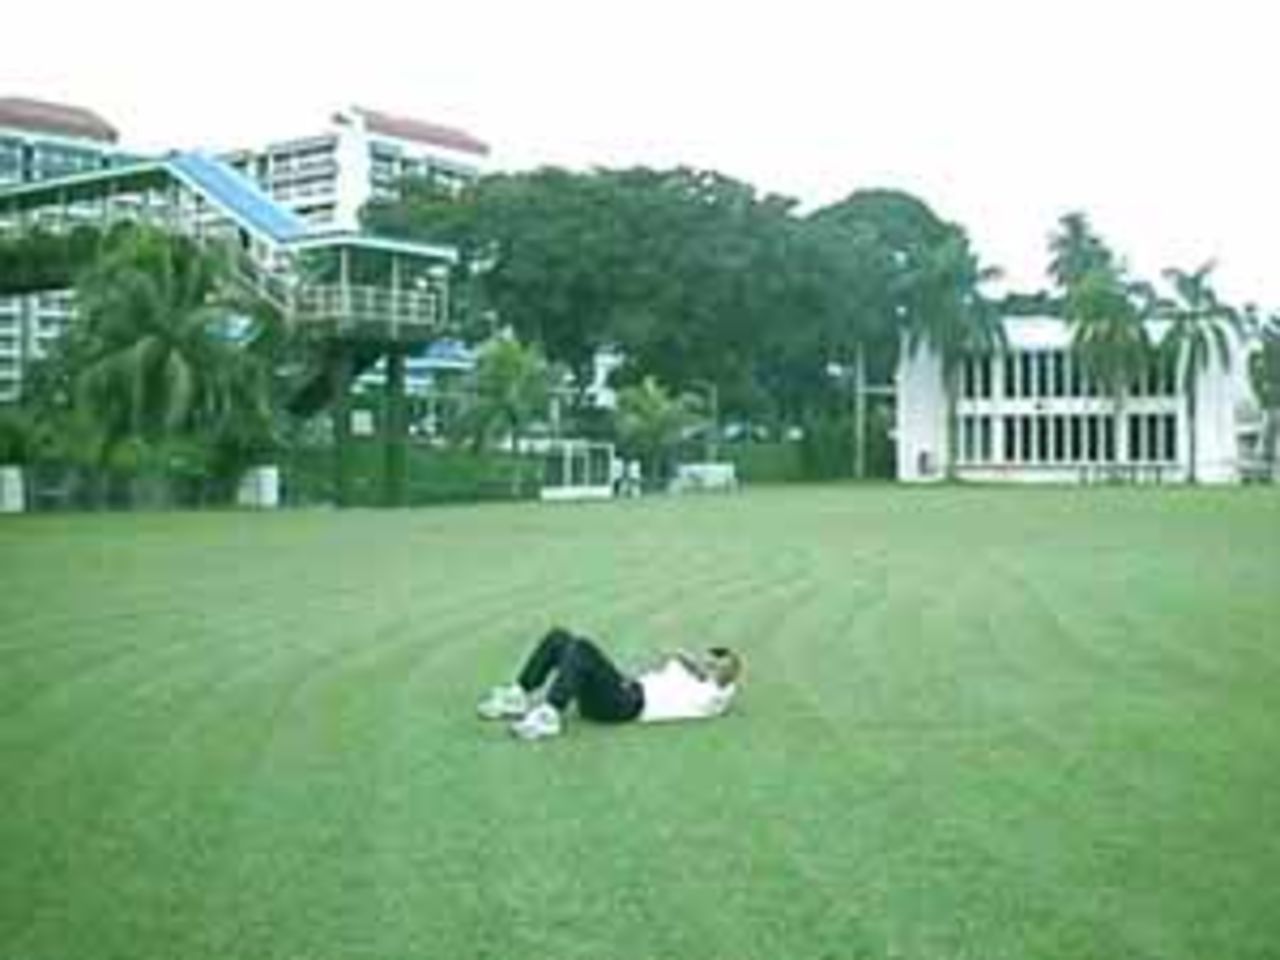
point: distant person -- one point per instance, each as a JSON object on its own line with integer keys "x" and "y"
{"x": 685, "y": 687}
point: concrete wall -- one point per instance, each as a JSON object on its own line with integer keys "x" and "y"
{"x": 921, "y": 420}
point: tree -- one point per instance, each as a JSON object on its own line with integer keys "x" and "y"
{"x": 1264, "y": 372}
{"x": 1076, "y": 251}
{"x": 512, "y": 385}
{"x": 164, "y": 353}
{"x": 954, "y": 319}
{"x": 1109, "y": 337}
{"x": 651, "y": 421}
{"x": 911, "y": 279}
{"x": 1106, "y": 311}
{"x": 1199, "y": 333}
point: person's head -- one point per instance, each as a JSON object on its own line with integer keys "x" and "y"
{"x": 724, "y": 666}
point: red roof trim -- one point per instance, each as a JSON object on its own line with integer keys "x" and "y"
{"x": 423, "y": 132}
{"x": 56, "y": 118}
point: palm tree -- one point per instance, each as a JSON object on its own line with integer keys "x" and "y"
{"x": 163, "y": 350}
{"x": 1108, "y": 334}
{"x": 1075, "y": 250}
{"x": 1264, "y": 373}
{"x": 954, "y": 320}
{"x": 512, "y": 386}
{"x": 651, "y": 421}
{"x": 1200, "y": 329}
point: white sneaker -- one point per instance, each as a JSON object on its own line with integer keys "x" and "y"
{"x": 542, "y": 721}
{"x": 504, "y": 703}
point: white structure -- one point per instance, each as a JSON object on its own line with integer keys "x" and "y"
{"x": 39, "y": 141}
{"x": 692, "y": 477}
{"x": 1031, "y": 414}
{"x": 576, "y": 469}
{"x": 326, "y": 178}
{"x": 259, "y": 488}
{"x": 13, "y": 497}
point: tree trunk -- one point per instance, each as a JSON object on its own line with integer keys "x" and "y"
{"x": 949, "y": 379}
{"x": 1192, "y": 453}
{"x": 341, "y": 372}
{"x": 517, "y": 474}
{"x": 395, "y": 460}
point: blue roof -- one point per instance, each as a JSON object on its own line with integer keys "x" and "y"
{"x": 445, "y": 354}
{"x": 238, "y": 196}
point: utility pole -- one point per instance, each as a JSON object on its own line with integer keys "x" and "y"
{"x": 859, "y": 412}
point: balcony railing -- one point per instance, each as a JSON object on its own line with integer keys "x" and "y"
{"x": 377, "y": 311}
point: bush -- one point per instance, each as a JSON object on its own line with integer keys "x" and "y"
{"x": 766, "y": 462}
{"x": 434, "y": 475}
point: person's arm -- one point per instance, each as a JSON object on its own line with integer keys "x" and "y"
{"x": 691, "y": 663}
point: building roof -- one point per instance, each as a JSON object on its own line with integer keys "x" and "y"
{"x": 422, "y": 132}
{"x": 56, "y": 118}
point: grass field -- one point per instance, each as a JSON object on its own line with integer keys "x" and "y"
{"x": 977, "y": 723}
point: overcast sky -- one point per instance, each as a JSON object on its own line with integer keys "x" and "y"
{"x": 1159, "y": 120}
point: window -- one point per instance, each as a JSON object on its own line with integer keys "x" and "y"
{"x": 1170, "y": 437}
{"x": 984, "y": 370}
{"x": 1011, "y": 375}
{"x": 1028, "y": 376}
{"x": 1135, "y": 438}
{"x": 1059, "y": 374}
{"x": 1042, "y": 439}
{"x": 1059, "y": 437}
{"x": 1010, "y": 439}
{"x": 1042, "y": 375}
{"x": 1027, "y": 439}
{"x": 1108, "y": 439}
{"x": 984, "y": 439}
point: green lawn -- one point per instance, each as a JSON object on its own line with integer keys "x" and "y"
{"x": 976, "y": 723}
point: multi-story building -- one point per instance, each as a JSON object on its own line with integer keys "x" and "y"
{"x": 328, "y": 177}
{"x": 38, "y": 141}
{"x": 1032, "y": 413}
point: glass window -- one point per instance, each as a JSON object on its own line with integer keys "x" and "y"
{"x": 1170, "y": 437}
{"x": 1135, "y": 438}
{"x": 984, "y": 451}
{"x": 1010, "y": 439}
{"x": 1028, "y": 439}
{"x": 1042, "y": 439}
{"x": 1042, "y": 375}
{"x": 1109, "y": 439}
{"x": 1011, "y": 375}
{"x": 1027, "y": 373}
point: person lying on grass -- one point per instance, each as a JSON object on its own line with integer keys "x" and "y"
{"x": 685, "y": 687}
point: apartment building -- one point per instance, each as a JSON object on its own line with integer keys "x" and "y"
{"x": 327, "y": 177}
{"x": 41, "y": 140}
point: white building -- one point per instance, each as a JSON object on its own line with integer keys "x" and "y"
{"x": 1031, "y": 414}
{"x": 326, "y": 178}
{"x": 39, "y": 141}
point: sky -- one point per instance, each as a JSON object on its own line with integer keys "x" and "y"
{"x": 1159, "y": 120}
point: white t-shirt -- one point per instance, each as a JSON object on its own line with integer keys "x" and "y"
{"x": 673, "y": 693}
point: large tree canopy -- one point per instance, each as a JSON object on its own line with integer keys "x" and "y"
{"x": 699, "y": 278}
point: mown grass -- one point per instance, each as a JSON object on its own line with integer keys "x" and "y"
{"x": 977, "y": 723}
